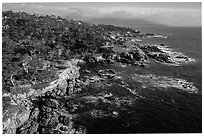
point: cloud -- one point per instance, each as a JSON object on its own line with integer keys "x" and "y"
{"x": 167, "y": 16}
{"x": 178, "y": 18}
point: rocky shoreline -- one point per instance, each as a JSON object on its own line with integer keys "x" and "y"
{"x": 47, "y": 87}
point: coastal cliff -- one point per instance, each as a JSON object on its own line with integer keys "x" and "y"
{"x": 47, "y": 80}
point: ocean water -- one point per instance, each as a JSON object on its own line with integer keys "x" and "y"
{"x": 183, "y": 39}
{"x": 185, "y": 114}
{"x": 160, "y": 110}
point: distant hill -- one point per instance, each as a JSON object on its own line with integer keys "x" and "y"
{"x": 124, "y": 22}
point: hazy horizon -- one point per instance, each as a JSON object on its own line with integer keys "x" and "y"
{"x": 181, "y": 14}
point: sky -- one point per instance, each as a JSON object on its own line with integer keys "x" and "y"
{"x": 165, "y": 13}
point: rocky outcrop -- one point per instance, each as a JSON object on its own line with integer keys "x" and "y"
{"x": 20, "y": 103}
{"x": 166, "y": 55}
{"x": 43, "y": 89}
{"x": 139, "y": 55}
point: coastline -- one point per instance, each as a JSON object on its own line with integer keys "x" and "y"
{"x": 67, "y": 104}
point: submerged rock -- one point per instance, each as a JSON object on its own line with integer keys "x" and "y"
{"x": 108, "y": 73}
{"x": 165, "y": 82}
{"x": 103, "y": 114}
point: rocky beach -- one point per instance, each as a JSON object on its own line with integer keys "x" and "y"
{"x": 62, "y": 76}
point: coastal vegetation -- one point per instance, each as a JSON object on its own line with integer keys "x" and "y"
{"x": 47, "y": 80}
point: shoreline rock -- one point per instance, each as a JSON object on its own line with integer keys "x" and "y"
{"x": 43, "y": 89}
{"x": 22, "y": 100}
{"x": 166, "y": 55}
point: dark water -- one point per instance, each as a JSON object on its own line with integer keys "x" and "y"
{"x": 162, "y": 111}
{"x": 186, "y": 40}
{"x": 185, "y": 115}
